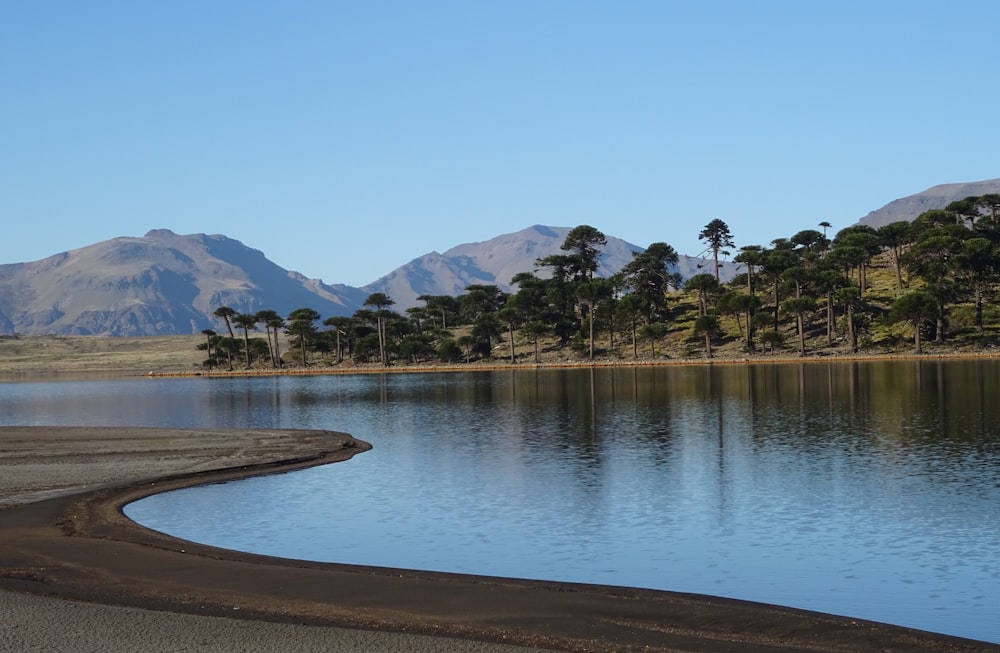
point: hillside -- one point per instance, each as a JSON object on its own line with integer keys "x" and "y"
{"x": 160, "y": 284}
{"x": 937, "y": 197}
{"x": 497, "y": 260}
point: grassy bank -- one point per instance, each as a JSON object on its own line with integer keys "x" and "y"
{"x": 52, "y": 354}
{"x": 168, "y": 355}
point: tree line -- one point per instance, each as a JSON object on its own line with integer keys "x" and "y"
{"x": 938, "y": 275}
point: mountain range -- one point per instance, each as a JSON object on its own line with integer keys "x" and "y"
{"x": 164, "y": 283}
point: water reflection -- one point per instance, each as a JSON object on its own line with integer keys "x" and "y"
{"x": 868, "y": 489}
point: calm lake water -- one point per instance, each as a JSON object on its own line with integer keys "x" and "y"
{"x": 864, "y": 489}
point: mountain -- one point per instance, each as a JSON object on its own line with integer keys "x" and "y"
{"x": 497, "y": 260}
{"x": 164, "y": 283}
{"x": 160, "y": 284}
{"x": 936, "y": 197}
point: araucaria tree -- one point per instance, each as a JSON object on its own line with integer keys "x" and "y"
{"x": 246, "y": 322}
{"x": 717, "y": 236}
{"x": 225, "y": 312}
{"x": 573, "y": 276}
{"x": 380, "y": 301}
{"x": 302, "y": 328}
{"x": 917, "y": 308}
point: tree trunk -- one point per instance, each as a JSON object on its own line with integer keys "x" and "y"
{"x": 899, "y": 274}
{"x": 939, "y": 324}
{"x": 829, "y": 317}
{"x": 979, "y": 308}
{"x": 270, "y": 347}
{"x": 802, "y": 334}
{"x": 590, "y": 319}
{"x": 852, "y": 333}
{"x": 380, "y": 327}
{"x": 246, "y": 345}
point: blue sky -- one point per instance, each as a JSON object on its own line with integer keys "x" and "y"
{"x": 344, "y": 139}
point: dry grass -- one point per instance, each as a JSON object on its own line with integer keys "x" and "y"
{"x": 99, "y": 354}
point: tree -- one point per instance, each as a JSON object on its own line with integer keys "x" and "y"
{"x": 893, "y": 237}
{"x": 449, "y": 351}
{"x": 589, "y": 293}
{"x": 444, "y": 306}
{"x": 569, "y": 271}
{"x": 707, "y": 325}
{"x": 246, "y": 322}
{"x": 653, "y": 332}
{"x": 824, "y": 226}
{"x": 535, "y": 329}
{"x": 748, "y": 305}
{"x": 647, "y": 276}
{"x": 584, "y": 241}
{"x": 828, "y": 280}
{"x": 339, "y": 324}
{"x": 989, "y": 204}
{"x": 716, "y": 235}
{"x": 810, "y": 240}
{"x": 530, "y": 303}
{"x": 230, "y": 347}
{"x": 301, "y": 326}
{"x": 272, "y": 322}
{"x": 416, "y": 347}
{"x": 798, "y": 307}
{"x": 209, "y": 341}
{"x": 935, "y": 257}
{"x": 630, "y": 312}
{"x": 753, "y": 257}
{"x": 779, "y": 258}
{"x": 510, "y": 316}
{"x": 479, "y": 306}
{"x": 857, "y": 244}
{"x": 915, "y": 308}
{"x": 850, "y": 296}
{"x": 979, "y": 262}
{"x": 772, "y": 340}
{"x": 225, "y": 313}
{"x": 380, "y": 301}
{"x": 704, "y": 285}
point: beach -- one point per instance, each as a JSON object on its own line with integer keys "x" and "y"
{"x": 76, "y": 575}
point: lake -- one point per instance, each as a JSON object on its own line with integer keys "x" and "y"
{"x": 867, "y": 489}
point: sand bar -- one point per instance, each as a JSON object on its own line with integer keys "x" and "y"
{"x": 66, "y": 548}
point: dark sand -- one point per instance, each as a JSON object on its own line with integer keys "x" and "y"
{"x": 75, "y": 574}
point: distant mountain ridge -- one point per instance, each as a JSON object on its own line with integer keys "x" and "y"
{"x": 937, "y": 197}
{"x": 165, "y": 284}
{"x": 497, "y": 260}
{"x": 160, "y": 284}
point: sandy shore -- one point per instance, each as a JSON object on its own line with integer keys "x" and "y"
{"x": 76, "y": 575}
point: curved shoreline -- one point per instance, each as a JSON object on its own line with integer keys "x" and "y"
{"x": 79, "y": 545}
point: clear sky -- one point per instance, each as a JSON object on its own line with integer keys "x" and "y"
{"x": 344, "y": 139}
